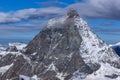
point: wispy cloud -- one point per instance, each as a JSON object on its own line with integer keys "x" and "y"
{"x": 22, "y": 27}
{"x": 88, "y": 9}
{"x": 108, "y": 31}
{"x": 110, "y": 23}
{"x": 107, "y": 9}
{"x": 54, "y": 3}
{"x": 29, "y": 14}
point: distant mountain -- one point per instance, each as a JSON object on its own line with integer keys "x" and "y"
{"x": 66, "y": 49}
{"x": 2, "y": 48}
{"x": 116, "y": 47}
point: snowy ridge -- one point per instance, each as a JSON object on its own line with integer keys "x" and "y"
{"x": 95, "y": 50}
{"x": 12, "y": 56}
{"x": 19, "y": 46}
{"x": 112, "y": 45}
{"x": 4, "y": 53}
{"x": 92, "y": 48}
{"x": 2, "y": 48}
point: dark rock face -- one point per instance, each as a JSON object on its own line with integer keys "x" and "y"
{"x": 113, "y": 76}
{"x": 53, "y": 41}
{"x": 52, "y": 52}
{"x": 7, "y": 60}
{"x": 72, "y": 13}
{"x": 59, "y": 46}
{"x": 20, "y": 66}
{"x": 94, "y": 66}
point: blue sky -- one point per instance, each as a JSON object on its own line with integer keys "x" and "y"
{"x": 21, "y": 20}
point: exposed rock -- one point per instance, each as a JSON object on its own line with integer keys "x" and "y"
{"x": 113, "y": 76}
{"x": 20, "y": 66}
{"x": 72, "y": 13}
{"x": 94, "y": 66}
{"x": 7, "y": 60}
{"x": 12, "y": 49}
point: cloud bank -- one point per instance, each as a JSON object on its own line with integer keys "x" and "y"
{"x": 104, "y": 9}
{"x": 54, "y": 3}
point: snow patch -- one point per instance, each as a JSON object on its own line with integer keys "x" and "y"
{"x": 5, "y": 68}
{"x": 4, "y": 53}
{"x": 34, "y": 53}
{"x": 19, "y": 46}
{"x": 51, "y": 67}
{"x": 22, "y": 77}
{"x": 61, "y": 76}
{"x": 105, "y": 69}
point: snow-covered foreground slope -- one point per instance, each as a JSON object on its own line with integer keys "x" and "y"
{"x": 22, "y": 77}
{"x": 66, "y": 50}
{"x": 94, "y": 50}
{"x": 106, "y": 72}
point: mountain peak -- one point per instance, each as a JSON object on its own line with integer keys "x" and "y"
{"x": 72, "y": 13}
{"x": 66, "y": 50}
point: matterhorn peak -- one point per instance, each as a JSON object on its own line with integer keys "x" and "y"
{"x": 72, "y": 13}
{"x": 66, "y": 50}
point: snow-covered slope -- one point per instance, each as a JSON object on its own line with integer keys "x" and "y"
{"x": 94, "y": 50}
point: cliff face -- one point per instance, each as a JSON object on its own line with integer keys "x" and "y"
{"x": 59, "y": 47}
{"x": 65, "y": 50}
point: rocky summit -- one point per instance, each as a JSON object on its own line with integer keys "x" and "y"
{"x": 66, "y": 49}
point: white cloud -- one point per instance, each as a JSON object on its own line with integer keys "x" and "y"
{"x": 106, "y": 9}
{"x": 31, "y": 13}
